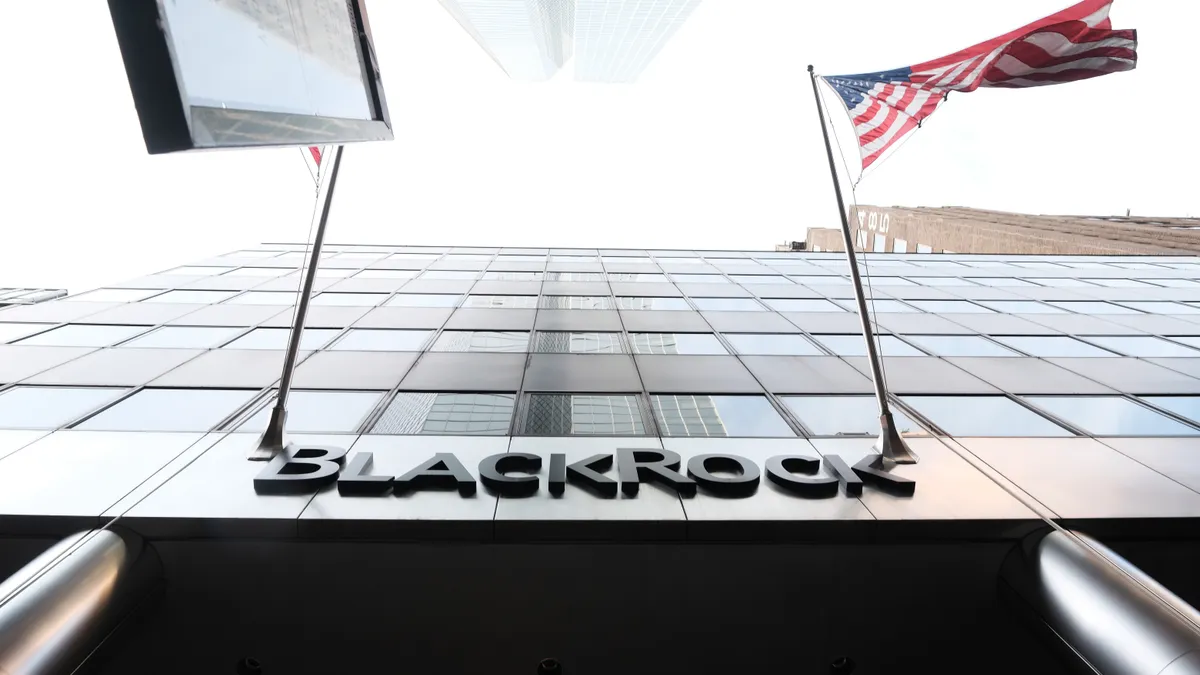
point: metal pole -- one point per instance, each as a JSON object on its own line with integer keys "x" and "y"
{"x": 274, "y": 439}
{"x": 890, "y": 444}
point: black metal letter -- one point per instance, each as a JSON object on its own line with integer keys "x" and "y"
{"x": 306, "y": 469}
{"x": 635, "y": 465}
{"x": 558, "y": 474}
{"x": 872, "y": 470}
{"x": 845, "y": 474}
{"x": 743, "y": 484}
{"x": 586, "y": 473}
{"x": 356, "y": 479}
{"x": 493, "y": 472}
{"x": 782, "y": 471}
{"x": 441, "y": 472}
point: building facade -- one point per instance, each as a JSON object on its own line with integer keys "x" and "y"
{"x": 613, "y": 40}
{"x": 29, "y": 296}
{"x": 961, "y": 230}
{"x": 491, "y": 401}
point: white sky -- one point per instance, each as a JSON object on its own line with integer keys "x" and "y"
{"x": 717, "y": 146}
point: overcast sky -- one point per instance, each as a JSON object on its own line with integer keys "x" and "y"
{"x": 717, "y": 146}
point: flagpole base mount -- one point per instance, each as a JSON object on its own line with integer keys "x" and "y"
{"x": 890, "y": 443}
{"x": 274, "y": 439}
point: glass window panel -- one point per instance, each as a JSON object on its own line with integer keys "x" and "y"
{"x": 381, "y": 340}
{"x": 899, "y": 246}
{"x": 447, "y": 414}
{"x": 876, "y": 262}
{"x": 50, "y": 407}
{"x": 999, "y": 281}
{"x": 1176, "y": 283}
{"x": 14, "y": 331}
{"x": 360, "y": 255}
{"x": 676, "y": 343}
{"x": 1089, "y": 307}
{"x": 1020, "y": 307}
{"x": 512, "y": 276}
{"x": 875, "y": 280}
{"x": 198, "y": 270}
{"x": 986, "y": 263}
{"x": 699, "y": 279}
{"x": 573, "y": 258}
{"x": 1060, "y": 282}
{"x": 1193, "y": 341}
{"x": 1051, "y": 346}
{"x": 193, "y": 297}
{"x": 728, "y": 304}
{"x": 1137, "y": 266}
{"x": 959, "y": 345}
{"x": 584, "y": 415}
{"x": 855, "y": 345}
{"x": 1118, "y": 283}
{"x": 845, "y": 416}
{"x": 265, "y": 298}
{"x": 802, "y": 305}
{"x": 1039, "y": 265}
{"x": 185, "y": 337}
{"x": 936, "y": 263}
{"x": 117, "y": 295}
{"x": 263, "y": 271}
{"x": 879, "y": 245}
{"x": 349, "y": 299}
{"x": 449, "y": 275}
{"x": 574, "y": 276}
{"x": 467, "y": 257}
{"x": 810, "y": 280}
{"x": 1162, "y": 307}
{"x": 320, "y": 411}
{"x": 577, "y": 302}
{"x": 949, "y": 306}
{"x": 761, "y": 279}
{"x": 766, "y": 343}
{"x": 924, "y": 248}
{"x": 1142, "y": 345}
{"x": 1110, "y": 416}
{"x": 680, "y": 261}
{"x": 653, "y": 303}
{"x": 277, "y": 338}
{"x": 626, "y": 259}
{"x": 983, "y": 416}
{"x": 417, "y": 256}
{"x": 717, "y": 416}
{"x": 481, "y": 341}
{"x": 386, "y": 274}
{"x": 520, "y": 258}
{"x": 84, "y": 335}
{"x": 256, "y": 254}
{"x": 1184, "y": 406}
{"x": 879, "y": 306}
{"x": 503, "y": 301}
{"x": 331, "y": 272}
{"x": 637, "y": 278}
{"x": 171, "y": 410}
{"x": 556, "y": 342}
{"x": 941, "y": 281}
{"x": 422, "y": 300}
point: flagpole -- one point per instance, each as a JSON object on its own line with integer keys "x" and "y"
{"x": 890, "y": 444}
{"x": 274, "y": 439}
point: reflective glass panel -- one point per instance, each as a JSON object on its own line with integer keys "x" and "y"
{"x": 118, "y": 295}
{"x": 1110, "y": 416}
{"x": 1162, "y": 307}
{"x": 170, "y": 410}
{"x": 949, "y": 306}
{"x": 320, "y": 411}
{"x": 699, "y": 279}
{"x": 639, "y": 278}
{"x": 676, "y": 343}
{"x": 349, "y": 299}
{"x": 502, "y": 301}
{"x": 265, "y": 298}
{"x": 717, "y": 416}
{"x": 1051, "y": 346}
{"x": 983, "y": 416}
{"x": 193, "y": 297}
{"x": 1088, "y": 307}
{"x": 584, "y": 415}
{"x": 1020, "y": 307}
{"x": 277, "y": 338}
{"x": 1176, "y": 283}
{"x": 447, "y": 414}
{"x": 1060, "y": 282}
{"x": 767, "y": 343}
{"x": 855, "y": 345}
{"x": 50, "y": 407}
{"x": 940, "y": 281}
{"x": 512, "y": 276}
{"x": 577, "y": 302}
{"x": 879, "y": 306}
{"x": 999, "y": 281}
{"x": 263, "y": 271}
{"x": 422, "y": 300}
{"x": 802, "y": 305}
{"x": 845, "y": 415}
{"x": 653, "y": 303}
{"x": 185, "y": 337}
{"x": 557, "y": 342}
{"x": 386, "y": 274}
{"x": 14, "y": 331}
{"x": 481, "y": 341}
{"x": 382, "y": 340}
{"x": 1142, "y": 345}
{"x": 728, "y": 304}
{"x": 959, "y": 345}
{"x": 201, "y": 271}
{"x": 1184, "y": 406}
{"x": 1118, "y": 283}
{"x": 809, "y": 280}
{"x": 83, "y": 335}
{"x": 761, "y": 279}
{"x": 574, "y": 276}
{"x": 449, "y": 275}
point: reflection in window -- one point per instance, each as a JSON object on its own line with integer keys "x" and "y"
{"x": 856, "y": 345}
{"x": 415, "y": 256}
{"x": 999, "y": 281}
{"x": 573, "y": 258}
{"x": 717, "y": 416}
{"x": 520, "y": 258}
{"x": 118, "y": 295}
{"x": 185, "y": 337}
{"x": 512, "y": 276}
{"x": 1118, "y": 283}
{"x": 845, "y": 415}
{"x": 50, "y": 407}
{"x": 1162, "y": 307}
{"x": 761, "y": 279}
{"x": 676, "y": 343}
{"x": 14, "y": 331}
{"x": 447, "y": 414}
{"x": 699, "y": 279}
{"x": 327, "y": 412}
{"x": 170, "y": 410}
{"x": 467, "y": 257}
{"x": 263, "y": 271}
{"x": 876, "y": 280}
{"x": 1051, "y": 346}
{"x": 382, "y": 340}
{"x": 1176, "y": 283}
{"x": 481, "y": 341}
{"x": 574, "y": 276}
{"x": 502, "y": 301}
{"x": 776, "y": 344}
{"x": 1184, "y": 406}
{"x": 584, "y": 415}
{"x": 193, "y": 297}
{"x": 349, "y": 299}
{"x": 422, "y": 300}
{"x": 949, "y": 307}
{"x": 1193, "y": 341}
{"x": 802, "y": 305}
{"x": 277, "y": 338}
{"x": 637, "y": 277}
{"x": 196, "y": 270}
{"x": 1089, "y": 307}
{"x": 386, "y": 274}
{"x": 941, "y": 281}
{"x": 558, "y": 342}
{"x": 960, "y": 345}
{"x": 809, "y": 280}
{"x": 1110, "y": 416}
{"x": 83, "y": 335}
{"x": 449, "y": 275}
{"x": 1142, "y": 345}
{"x": 983, "y": 416}
{"x": 1020, "y": 307}
{"x": 1060, "y": 282}
{"x": 577, "y": 302}
{"x": 728, "y": 304}
{"x": 653, "y": 303}
{"x": 680, "y": 261}
{"x": 265, "y": 298}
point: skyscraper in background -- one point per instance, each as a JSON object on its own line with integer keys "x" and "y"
{"x": 528, "y": 39}
{"x": 533, "y": 39}
{"x": 616, "y": 39}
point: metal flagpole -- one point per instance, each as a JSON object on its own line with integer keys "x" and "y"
{"x": 274, "y": 439}
{"x": 890, "y": 444}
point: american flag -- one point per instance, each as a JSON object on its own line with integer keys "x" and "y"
{"x": 1074, "y": 44}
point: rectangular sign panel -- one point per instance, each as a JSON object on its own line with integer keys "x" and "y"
{"x": 239, "y": 73}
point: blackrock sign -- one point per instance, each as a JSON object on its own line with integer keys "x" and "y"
{"x": 307, "y": 469}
